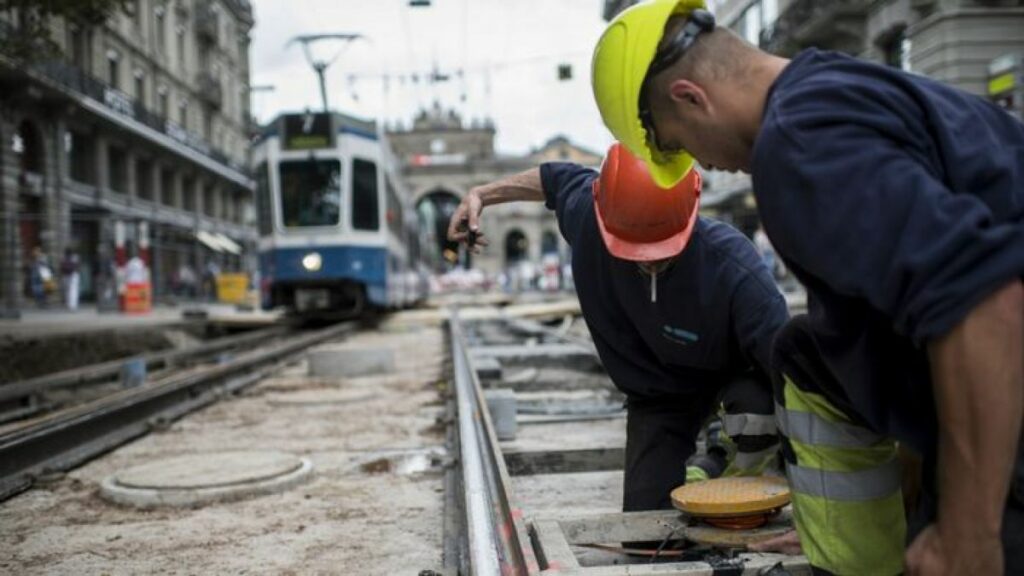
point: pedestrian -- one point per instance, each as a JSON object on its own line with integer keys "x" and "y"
{"x": 899, "y": 203}
{"x": 40, "y": 277}
{"x": 680, "y": 309}
{"x": 210, "y": 279}
{"x": 69, "y": 270}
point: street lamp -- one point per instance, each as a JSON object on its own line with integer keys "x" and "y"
{"x": 320, "y": 66}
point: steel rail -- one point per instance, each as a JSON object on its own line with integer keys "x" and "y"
{"x": 63, "y": 440}
{"x": 498, "y": 540}
{"x": 110, "y": 370}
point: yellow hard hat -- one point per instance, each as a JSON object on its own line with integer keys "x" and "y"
{"x": 620, "y": 63}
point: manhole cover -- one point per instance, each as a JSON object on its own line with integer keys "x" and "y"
{"x": 203, "y": 478}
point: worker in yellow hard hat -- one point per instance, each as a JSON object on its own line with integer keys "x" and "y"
{"x": 681, "y": 309}
{"x": 897, "y": 202}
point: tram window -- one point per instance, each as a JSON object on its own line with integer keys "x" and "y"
{"x": 365, "y": 202}
{"x": 263, "y": 200}
{"x": 310, "y": 193}
{"x": 395, "y": 213}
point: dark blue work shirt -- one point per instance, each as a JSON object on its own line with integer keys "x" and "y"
{"x": 899, "y": 203}
{"x": 717, "y": 306}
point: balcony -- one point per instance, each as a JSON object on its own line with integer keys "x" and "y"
{"x": 828, "y": 24}
{"x": 210, "y": 89}
{"x": 69, "y": 79}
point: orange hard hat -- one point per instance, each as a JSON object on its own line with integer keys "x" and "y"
{"x": 638, "y": 220}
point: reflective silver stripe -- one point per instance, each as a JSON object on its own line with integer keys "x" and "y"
{"x": 748, "y": 460}
{"x": 870, "y": 484}
{"x": 748, "y": 424}
{"x": 814, "y": 430}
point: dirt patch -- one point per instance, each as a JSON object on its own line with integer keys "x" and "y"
{"x": 35, "y": 356}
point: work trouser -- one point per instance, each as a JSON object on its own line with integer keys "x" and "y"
{"x": 844, "y": 478}
{"x": 661, "y": 437}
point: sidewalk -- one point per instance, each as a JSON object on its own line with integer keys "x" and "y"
{"x": 58, "y": 321}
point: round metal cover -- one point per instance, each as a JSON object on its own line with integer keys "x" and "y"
{"x": 725, "y": 497}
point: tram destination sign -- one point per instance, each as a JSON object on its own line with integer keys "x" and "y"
{"x": 307, "y": 131}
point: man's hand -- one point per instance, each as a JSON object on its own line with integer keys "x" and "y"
{"x": 788, "y": 543}
{"x": 934, "y": 554}
{"x": 464, "y": 225}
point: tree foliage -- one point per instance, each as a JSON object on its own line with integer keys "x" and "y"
{"x": 25, "y": 32}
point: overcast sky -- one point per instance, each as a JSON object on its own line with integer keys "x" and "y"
{"x": 508, "y": 50}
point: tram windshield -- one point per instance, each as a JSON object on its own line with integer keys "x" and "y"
{"x": 310, "y": 193}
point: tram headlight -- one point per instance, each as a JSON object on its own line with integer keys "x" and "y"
{"x": 312, "y": 262}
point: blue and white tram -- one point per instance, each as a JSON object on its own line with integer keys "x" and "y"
{"x": 337, "y": 234}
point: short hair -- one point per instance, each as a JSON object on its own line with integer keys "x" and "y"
{"x": 716, "y": 55}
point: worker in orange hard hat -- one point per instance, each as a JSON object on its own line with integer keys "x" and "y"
{"x": 681, "y": 309}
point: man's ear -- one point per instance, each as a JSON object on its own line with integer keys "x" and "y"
{"x": 688, "y": 94}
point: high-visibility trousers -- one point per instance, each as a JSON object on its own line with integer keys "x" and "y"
{"x": 844, "y": 478}
{"x": 845, "y": 484}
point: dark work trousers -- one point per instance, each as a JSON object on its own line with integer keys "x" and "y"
{"x": 661, "y": 435}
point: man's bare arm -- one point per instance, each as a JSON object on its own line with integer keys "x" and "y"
{"x": 465, "y": 222}
{"x": 978, "y": 377}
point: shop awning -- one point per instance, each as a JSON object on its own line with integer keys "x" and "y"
{"x": 210, "y": 241}
{"x": 229, "y": 244}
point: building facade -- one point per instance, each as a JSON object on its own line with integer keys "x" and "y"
{"x": 135, "y": 137}
{"x": 444, "y": 158}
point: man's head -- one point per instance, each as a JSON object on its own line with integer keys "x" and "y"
{"x": 696, "y": 88}
{"x": 640, "y": 221}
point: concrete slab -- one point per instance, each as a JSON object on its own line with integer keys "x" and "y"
{"x": 204, "y": 478}
{"x": 342, "y": 360}
{"x": 320, "y": 397}
{"x": 502, "y": 406}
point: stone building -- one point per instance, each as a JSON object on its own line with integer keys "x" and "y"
{"x": 444, "y": 157}
{"x": 138, "y": 131}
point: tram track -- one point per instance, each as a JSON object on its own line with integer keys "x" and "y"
{"x": 54, "y": 443}
{"x": 33, "y": 396}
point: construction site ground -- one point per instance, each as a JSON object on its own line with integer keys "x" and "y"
{"x": 373, "y": 505}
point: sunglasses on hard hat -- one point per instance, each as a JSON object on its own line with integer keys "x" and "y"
{"x": 698, "y": 22}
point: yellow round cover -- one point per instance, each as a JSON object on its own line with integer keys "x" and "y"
{"x": 725, "y": 497}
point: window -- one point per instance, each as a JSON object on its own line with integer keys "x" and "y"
{"x": 82, "y": 158}
{"x": 180, "y": 30}
{"x": 78, "y": 43}
{"x": 168, "y": 195}
{"x": 162, "y": 101}
{"x": 395, "y": 213}
{"x": 183, "y": 114}
{"x": 144, "y": 179}
{"x": 188, "y": 195}
{"x": 310, "y": 192}
{"x": 264, "y": 217}
{"x": 365, "y": 205}
{"x": 117, "y": 169}
{"x": 140, "y": 87}
{"x": 113, "y": 69}
{"x": 210, "y": 202}
{"x": 897, "y": 51}
{"x": 161, "y": 29}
